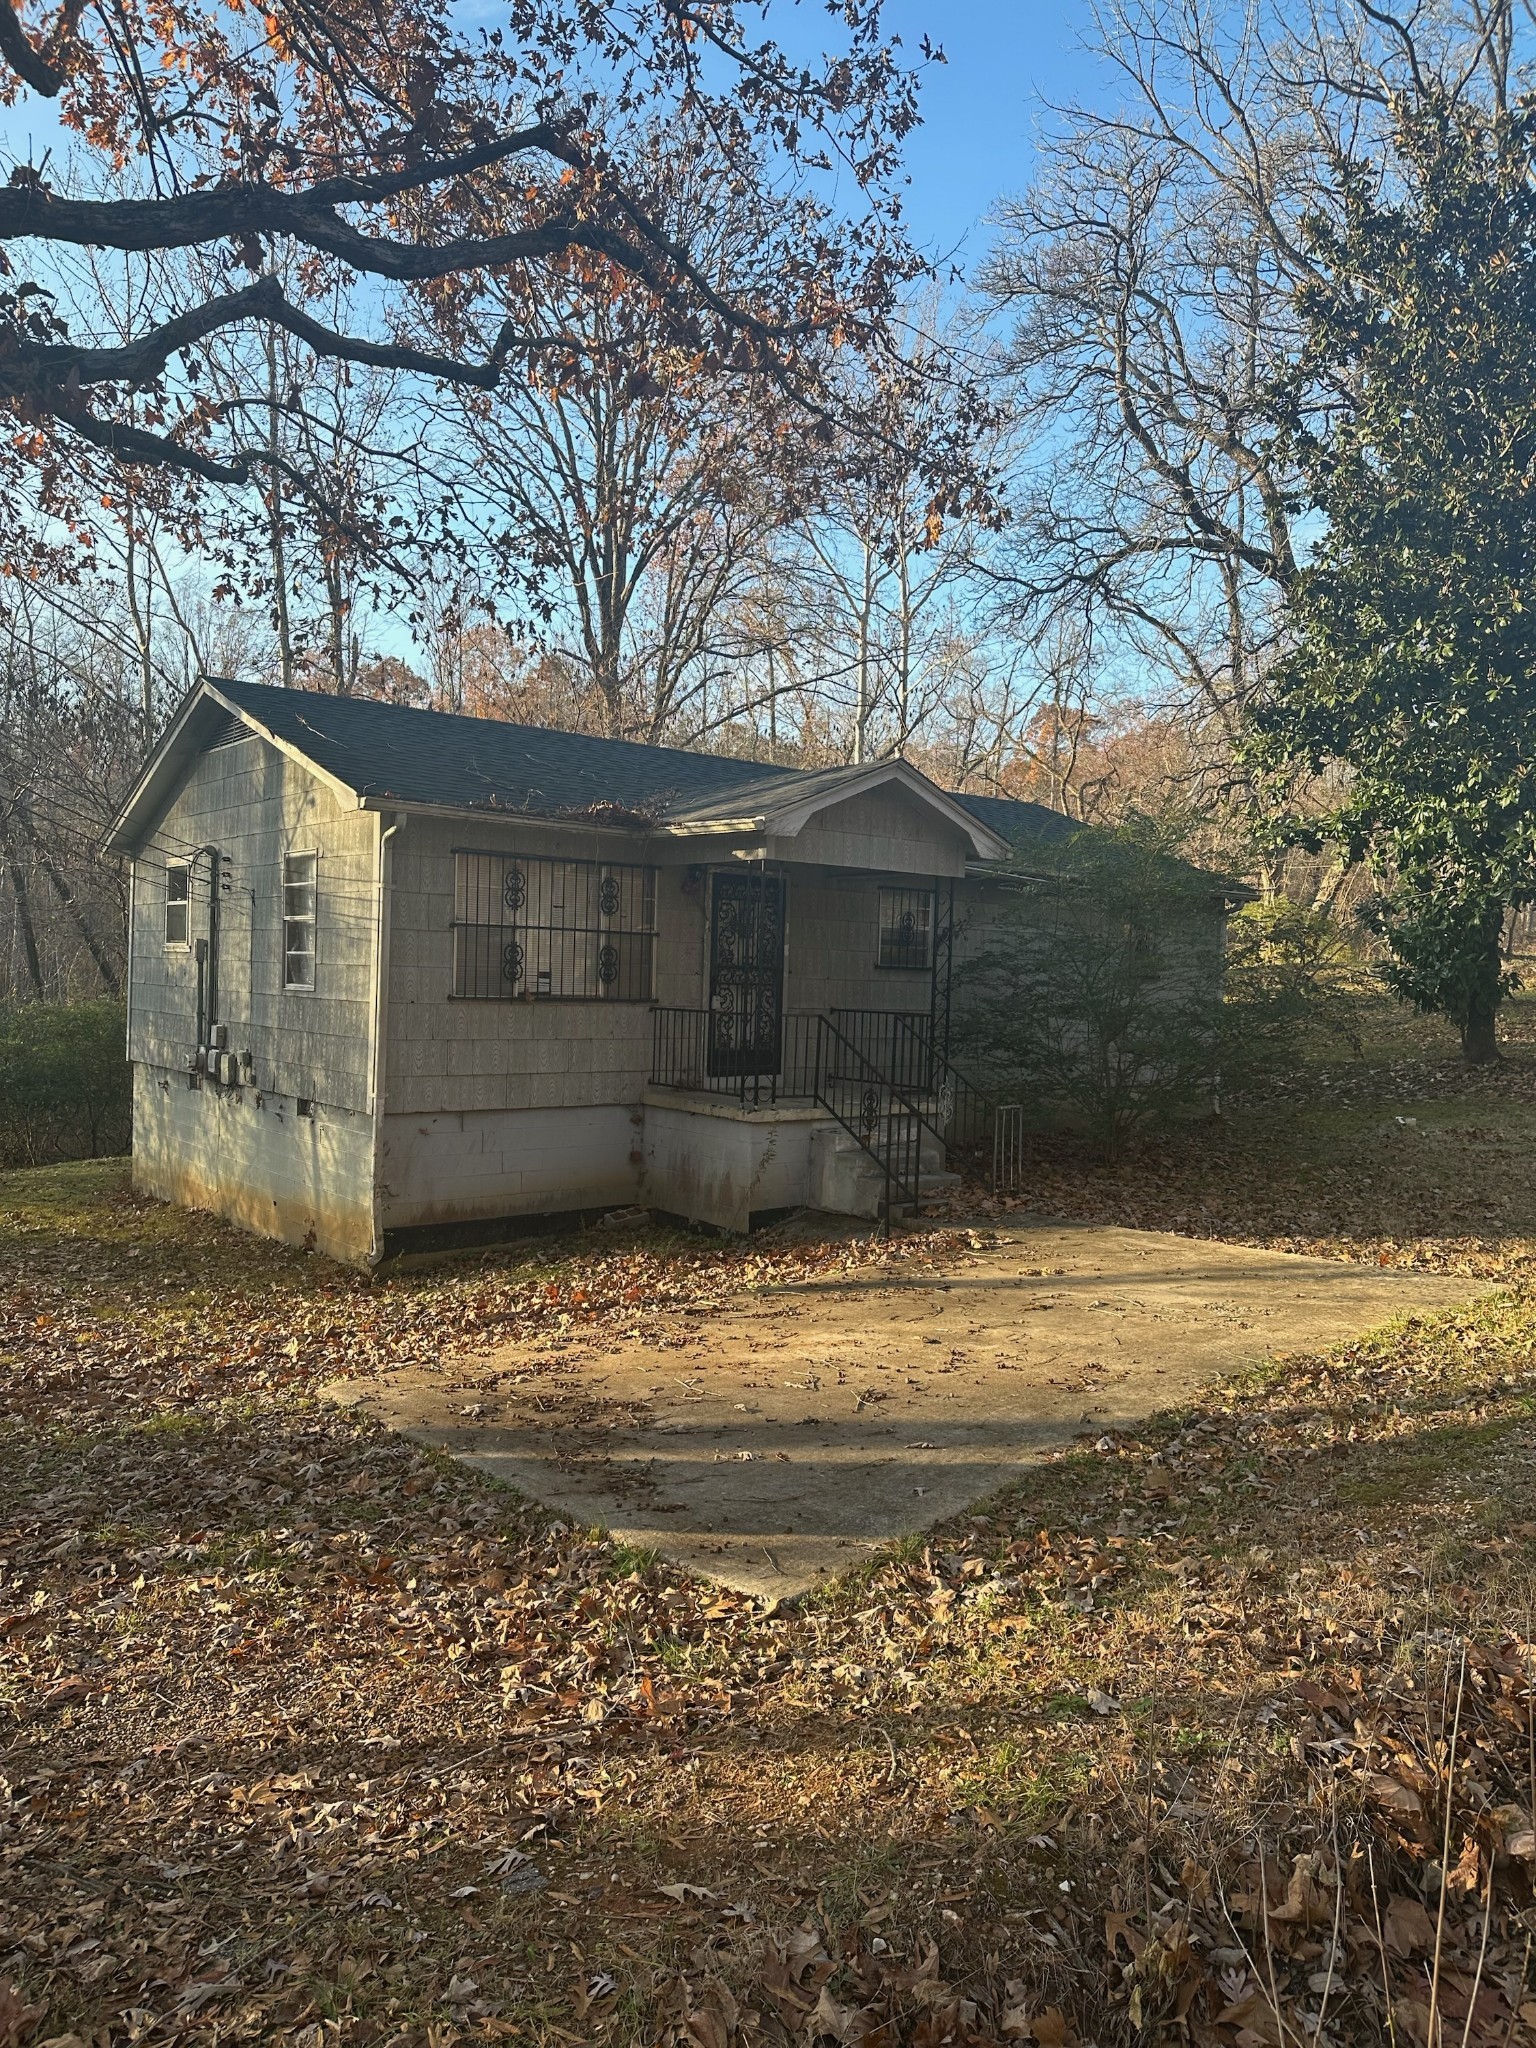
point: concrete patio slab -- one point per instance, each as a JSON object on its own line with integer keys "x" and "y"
{"x": 777, "y": 1442}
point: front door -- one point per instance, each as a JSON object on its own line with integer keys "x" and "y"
{"x": 746, "y": 974}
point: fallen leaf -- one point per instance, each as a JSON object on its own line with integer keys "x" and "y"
{"x": 17, "y": 2018}
{"x": 1407, "y": 1926}
{"x": 1396, "y": 1797}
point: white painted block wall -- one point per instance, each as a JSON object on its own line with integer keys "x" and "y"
{"x": 714, "y": 1163}
{"x": 250, "y": 1157}
{"x": 463, "y": 1165}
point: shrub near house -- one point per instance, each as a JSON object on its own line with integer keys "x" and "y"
{"x": 1096, "y": 996}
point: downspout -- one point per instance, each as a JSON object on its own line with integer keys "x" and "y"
{"x": 377, "y": 1021}
{"x": 133, "y": 877}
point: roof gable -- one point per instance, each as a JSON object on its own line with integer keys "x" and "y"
{"x": 782, "y": 804}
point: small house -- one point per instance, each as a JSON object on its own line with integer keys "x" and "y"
{"x": 398, "y": 977}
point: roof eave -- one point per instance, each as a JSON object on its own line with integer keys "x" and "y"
{"x": 504, "y": 814}
{"x": 1221, "y": 891}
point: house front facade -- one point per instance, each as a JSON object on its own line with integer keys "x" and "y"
{"x": 396, "y": 975}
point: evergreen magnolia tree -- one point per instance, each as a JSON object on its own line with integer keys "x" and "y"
{"x": 1411, "y": 418}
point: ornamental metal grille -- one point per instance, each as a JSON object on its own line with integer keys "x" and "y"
{"x": 906, "y": 928}
{"x": 571, "y": 929}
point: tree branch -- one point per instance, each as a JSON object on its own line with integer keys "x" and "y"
{"x": 139, "y": 362}
{"x": 29, "y": 63}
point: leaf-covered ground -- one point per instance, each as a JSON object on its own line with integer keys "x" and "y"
{"x": 1222, "y": 1733}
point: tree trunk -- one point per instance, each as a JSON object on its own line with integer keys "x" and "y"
{"x": 1479, "y": 1033}
{"x": 275, "y": 537}
{"x": 1480, "y": 1015}
{"x": 26, "y": 931}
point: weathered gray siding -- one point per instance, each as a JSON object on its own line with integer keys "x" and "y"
{"x": 990, "y": 912}
{"x": 888, "y": 830}
{"x": 834, "y": 943}
{"x": 522, "y": 1107}
{"x": 445, "y": 1055}
{"x": 245, "y": 1152}
{"x": 257, "y": 807}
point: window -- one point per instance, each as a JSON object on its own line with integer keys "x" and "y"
{"x": 178, "y": 903}
{"x": 299, "y": 920}
{"x": 571, "y": 928}
{"x": 906, "y": 928}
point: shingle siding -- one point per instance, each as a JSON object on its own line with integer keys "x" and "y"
{"x": 256, "y": 807}
{"x": 447, "y": 1054}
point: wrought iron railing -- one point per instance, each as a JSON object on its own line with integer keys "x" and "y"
{"x": 902, "y": 1044}
{"x": 875, "y": 1111}
{"x": 703, "y": 1050}
{"x": 817, "y": 1062}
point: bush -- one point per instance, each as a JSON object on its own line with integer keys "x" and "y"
{"x": 1294, "y": 987}
{"x": 1100, "y": 994}
{"x": 64, "y": 1082}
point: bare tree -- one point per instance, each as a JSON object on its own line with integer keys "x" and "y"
{"x": 1151, "y": 269}
{"x": 619, "y": 488}
{"x": 391, "y": 144}
{"x": 876, "y": 580}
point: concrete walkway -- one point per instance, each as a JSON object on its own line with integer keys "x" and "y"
{"x": 777, "y": 1442}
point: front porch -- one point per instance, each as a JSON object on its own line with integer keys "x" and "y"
{"x": 712, "y": 1159}
{"x": 851, "y": 1111}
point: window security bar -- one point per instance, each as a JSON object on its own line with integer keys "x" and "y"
{"x": 559, "y": 929}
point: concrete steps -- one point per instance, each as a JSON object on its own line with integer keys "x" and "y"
{"x": 848, "y": 1179}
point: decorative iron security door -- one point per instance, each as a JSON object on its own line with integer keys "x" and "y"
{"x": 746, "y": 974}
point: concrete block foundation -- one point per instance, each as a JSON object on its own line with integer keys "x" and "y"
{"x": 249, "y": 1156}
{"x": 471, "y": 1165}
{"x": 712, "y": 1160}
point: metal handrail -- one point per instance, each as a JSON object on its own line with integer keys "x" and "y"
{"x": 816, "y": 1060}
{"x": 684, "y": 1049}
{"x": 972, "y": 1111}
{"x": 879, "y": 1099}
{"x": 951, "y": 1104}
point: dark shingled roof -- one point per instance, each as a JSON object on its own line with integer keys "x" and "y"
{"x": 436, "y": 757}
{"x": 390, "y": 753}
{"x": 1018, "y": 822}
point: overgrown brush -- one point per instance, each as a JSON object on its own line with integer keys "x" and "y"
{"x": 65, "y": 1084}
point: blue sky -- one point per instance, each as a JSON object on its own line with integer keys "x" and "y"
{"x": 982, "y": 108}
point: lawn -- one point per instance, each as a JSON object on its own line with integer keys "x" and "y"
{"x": 1220, "y": 1733}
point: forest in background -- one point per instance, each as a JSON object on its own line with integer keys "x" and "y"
{"x": 1042, "y": 539}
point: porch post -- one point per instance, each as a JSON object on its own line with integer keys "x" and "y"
{"x": 943, "y": 965}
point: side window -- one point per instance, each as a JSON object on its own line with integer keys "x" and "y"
{"x": 906, "y": 928}
{"x": 299, "y": 920}
{"x": 178, "y": 903}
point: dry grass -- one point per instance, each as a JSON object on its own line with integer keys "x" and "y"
{"x": 1221, "y": 1733}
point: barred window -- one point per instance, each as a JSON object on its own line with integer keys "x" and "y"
{"x": 299, "y": 920}
{"x": 556, "y": 928}
{"x": 906, "y": 928}
{"x": 178, "y": 902}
